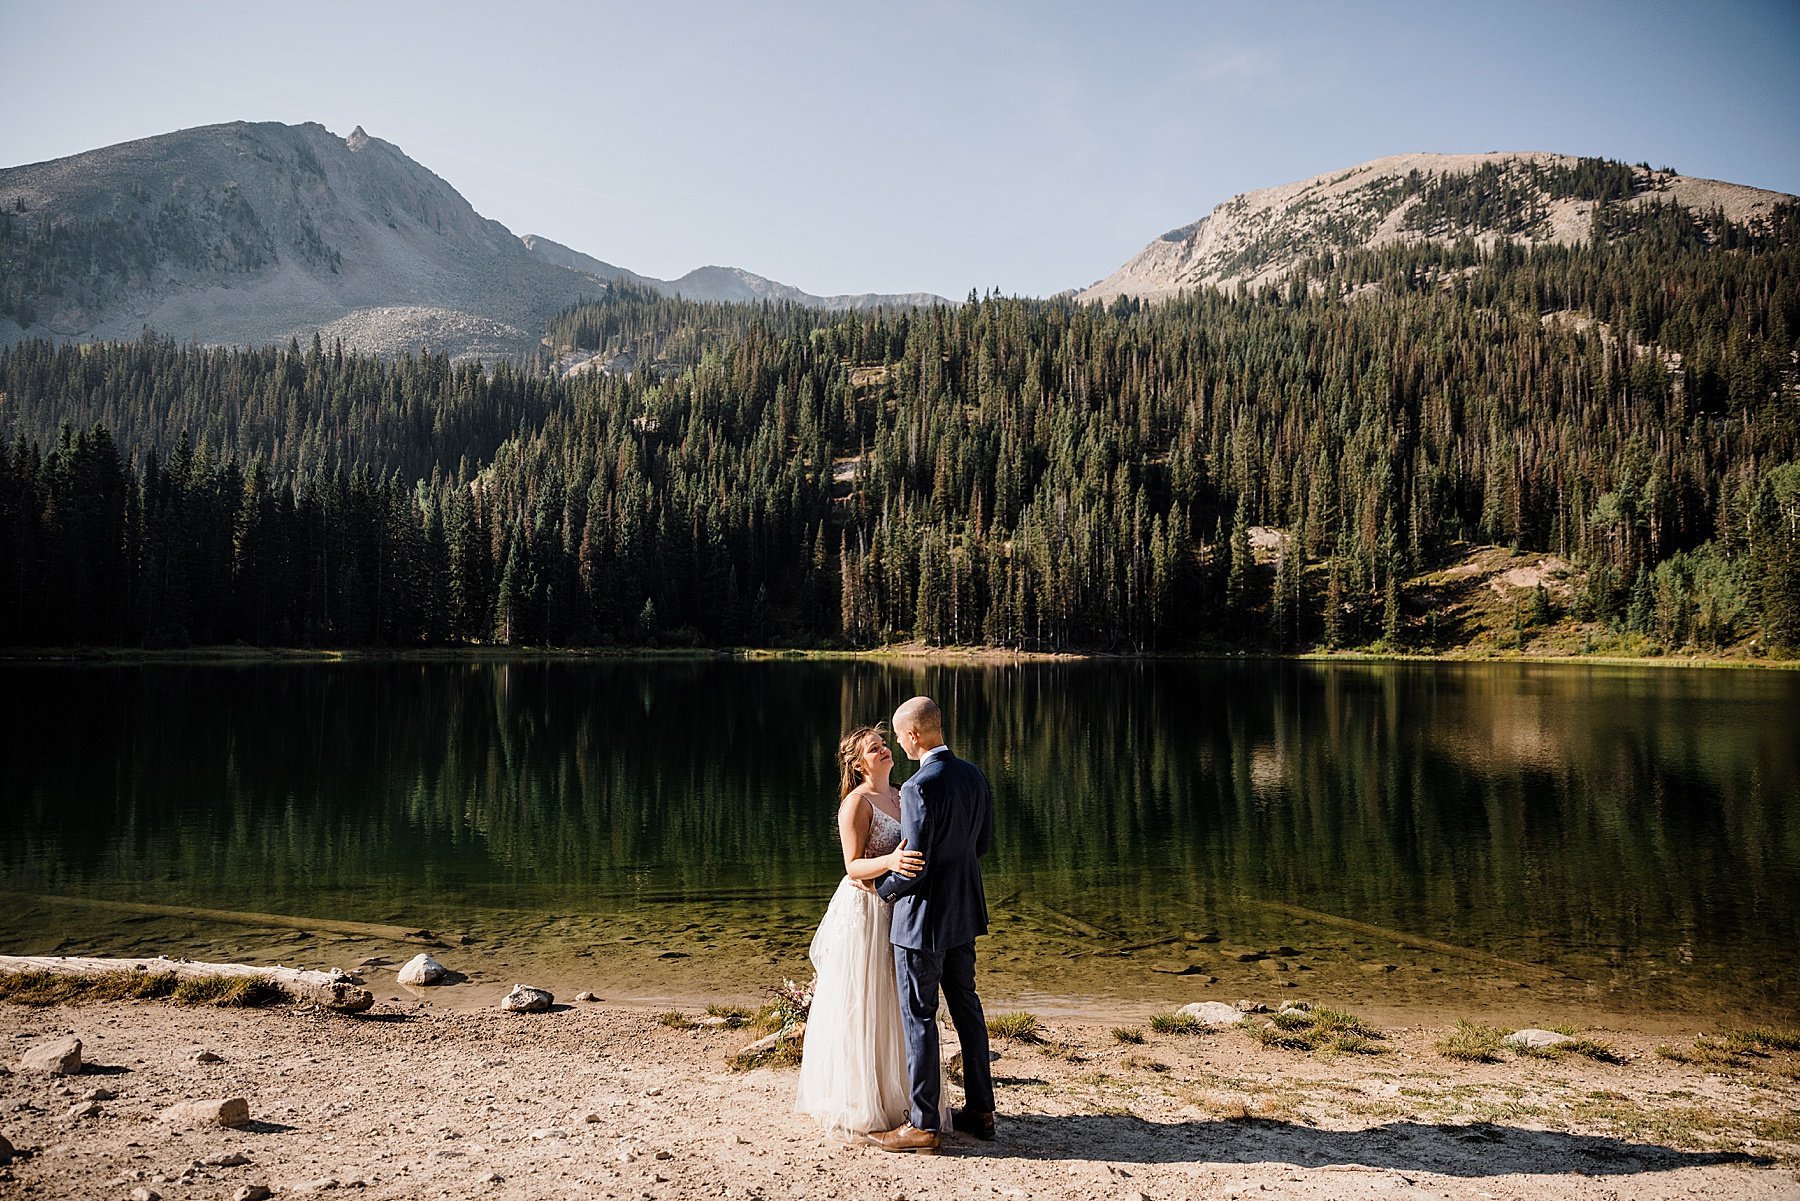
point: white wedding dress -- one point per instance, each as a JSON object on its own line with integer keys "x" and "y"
{"x": 853, "y": 1061}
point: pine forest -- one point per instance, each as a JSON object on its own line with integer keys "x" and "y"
{"x": 1284, "y": 468}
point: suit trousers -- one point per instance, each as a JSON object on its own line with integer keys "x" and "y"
{"x": 919, "y": 976}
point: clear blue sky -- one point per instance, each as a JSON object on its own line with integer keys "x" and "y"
{"x": 843, "y": 146}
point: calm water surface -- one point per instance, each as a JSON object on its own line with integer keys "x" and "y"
{"x": 1512, "y": 838}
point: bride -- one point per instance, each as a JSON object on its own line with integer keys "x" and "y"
{"x": 853, "y": 1061}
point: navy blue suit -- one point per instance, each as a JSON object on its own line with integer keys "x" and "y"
{"x": 947, "y": 815}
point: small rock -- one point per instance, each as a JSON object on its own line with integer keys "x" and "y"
{"x": 230, "y": 1111}
{"x": 208, "y": 1057}
{"x": 144, "y": 1194}
{"x": 1536, "y": 1040}
{"x": 1247, "y": 1006}
{"x": 525, "y": 999}
{"x": 1212, "y": 1013}
{"x": 84, "y": 1109}
{"x": 322, "y": 1184}
{"x": 586, "y": 996}
{"x": 1296, "y": 1007}
{"x": 1173, "y": 967}
{"x": 421, "y": 969}
{"x": 665, "y": 1155}
{"x": 252, "y": 1192}
{"x": 465, "y": 940}
{"x": 592, "y": 1119}
{"x": 99, "y": 1094}
{"x": 231, "y": 1159}
{"x": 735, "y": 1139}
{"x": 59, "y": 1058}
{"x": 625, "y": 1155}
{"x": 490, "y": 1178}
{"x": 653, "y": 1092}
{"x": 6, "y": 1151}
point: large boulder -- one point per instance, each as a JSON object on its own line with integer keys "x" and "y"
{"x": 1536, "y": 1040}
{"x": 1212, "y": 1013}
{"x": 59, "y": 1058}
{"x": 525, "y": 999}
{"x": 421, "y": 969}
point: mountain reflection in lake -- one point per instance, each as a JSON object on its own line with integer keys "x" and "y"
{"x": 1471, "y": 836}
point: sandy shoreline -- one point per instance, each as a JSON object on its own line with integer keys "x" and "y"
{"x": 603, "y": 1100}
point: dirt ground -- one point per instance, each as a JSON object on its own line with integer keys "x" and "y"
{"x": 597, "y": 1100}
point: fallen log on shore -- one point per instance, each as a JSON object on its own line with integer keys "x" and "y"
{"x": 328, "y": 990}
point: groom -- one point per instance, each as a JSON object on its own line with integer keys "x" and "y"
{"x": 946, "y": 815}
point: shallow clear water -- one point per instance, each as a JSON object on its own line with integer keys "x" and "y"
{"x": 1516, "y": 837}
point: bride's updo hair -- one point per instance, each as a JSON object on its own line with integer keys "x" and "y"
{"x": 850, "y": 749}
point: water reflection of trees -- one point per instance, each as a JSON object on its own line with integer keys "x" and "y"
{"x": 1603, "y": 812}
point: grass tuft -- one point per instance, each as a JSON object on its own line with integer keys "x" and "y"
{"x": 1020, "y": 1027}
{"x": 1472, "y": 1043}
{"x": 674, "y": 1019}
{"x": 1594, "y": 1049}
{"x": 1177, "y": 1023}
{"x": 784, "y": 1054}
{"x": 62, "y": 988}
{"x": 1763, "y": 1039}
{"x": 1126, "y": 1034}
{"x": 1318, "y": 1030}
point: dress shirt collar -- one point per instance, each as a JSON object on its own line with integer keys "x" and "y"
{"x": 936, "y": 752}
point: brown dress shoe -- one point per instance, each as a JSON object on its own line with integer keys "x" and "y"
{"x": 980, "y": 1125}
{"x": 907, "y": 1137}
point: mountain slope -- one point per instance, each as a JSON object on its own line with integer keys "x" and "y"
{"x": 1259, "y": 236}
{"x": 252, "y": 233}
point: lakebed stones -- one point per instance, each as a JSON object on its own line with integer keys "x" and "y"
{"x": 1536, "y": 1040}
{"x": 525, "y": 999}
{"x": 421, "y": 970}
{"x": 227, "y": 1111}
{"x": 252, "y": 1192}
{"x": 59, "y": 1058}
{"x": 1212, "y": 1013}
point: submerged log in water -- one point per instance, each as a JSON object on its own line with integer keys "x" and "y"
{"x": 243, "y": 918}
{"x": 332, "y": 991}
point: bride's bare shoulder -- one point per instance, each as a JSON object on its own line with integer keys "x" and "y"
{"x": 856, "y": 801}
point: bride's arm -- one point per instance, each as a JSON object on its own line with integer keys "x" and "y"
{"x": 853, "y": 833}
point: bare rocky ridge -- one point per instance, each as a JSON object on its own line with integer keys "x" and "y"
{"x": 726, "y": 284}
{"x": 1259, "y": 236}
{"x": 254, "y": 233}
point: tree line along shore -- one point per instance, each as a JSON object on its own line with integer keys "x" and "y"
{"x": 1333, "y": 462}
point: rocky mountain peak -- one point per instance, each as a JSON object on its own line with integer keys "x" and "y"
{"x": 358, "y": 139}
{"x": 1258, "y": 237}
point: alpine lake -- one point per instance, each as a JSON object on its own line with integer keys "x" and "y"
{"x": 1549, "y": 842}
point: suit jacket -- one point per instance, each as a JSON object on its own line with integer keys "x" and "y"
{"x": 947, "y": 815}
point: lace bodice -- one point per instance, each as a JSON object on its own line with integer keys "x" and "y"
{"x": 884, "y": 833}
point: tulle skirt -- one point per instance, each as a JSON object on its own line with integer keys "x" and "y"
{"x": 853, "y": 1061}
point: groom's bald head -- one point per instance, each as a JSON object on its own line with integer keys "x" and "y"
{"x": 919, "y": 724}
